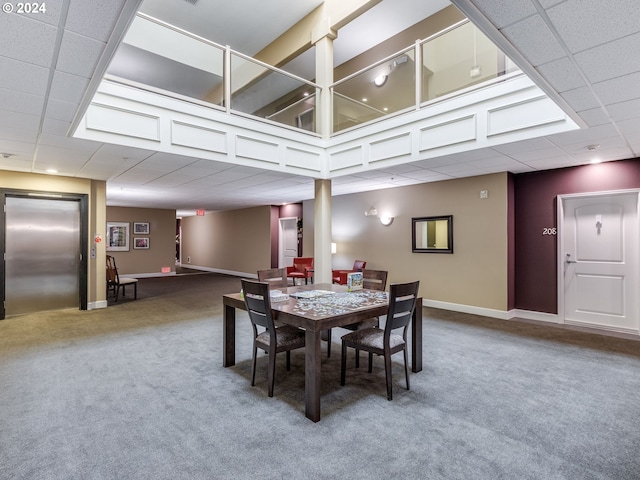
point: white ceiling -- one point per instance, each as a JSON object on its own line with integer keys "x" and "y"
{"x": 582, "y": 52}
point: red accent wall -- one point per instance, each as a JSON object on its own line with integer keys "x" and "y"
{"x": 535, "y": 207}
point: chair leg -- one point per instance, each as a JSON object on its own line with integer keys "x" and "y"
{"x": 253, "y": 369}
{"x": 271, "y": 374}
{"x": 135, "y": 291}
{"x": 357, "y": 358}
{"x": 343, "y": 364}
{"x": 387, "y": 372}
{"x": 406, "y": 369}
{"x": 328, "y": 343}
{"x": 370, "y": 362}
{"x": 288, "y": 360}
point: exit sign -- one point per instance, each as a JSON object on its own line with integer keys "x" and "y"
{"x": 200, "y": 212}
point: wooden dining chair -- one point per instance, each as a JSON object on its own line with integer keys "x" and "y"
{"x": 115, "y": 283}
{"x": 372, "y": 280}
{"x": 378, "y": 341}
{"x": 274, "y": 339}
{"x": 275, "y": 277}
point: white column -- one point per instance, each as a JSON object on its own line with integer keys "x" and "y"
{"x": 322, "y": 232}
{"x": 322, "y": 37}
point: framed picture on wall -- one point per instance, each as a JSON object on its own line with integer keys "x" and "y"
{"x": 140, "y": 228}
{"x": 117, "y": 236}
{"x": 140, "y": 243}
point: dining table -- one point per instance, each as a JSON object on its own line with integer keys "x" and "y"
{"x": 316, "y": 308}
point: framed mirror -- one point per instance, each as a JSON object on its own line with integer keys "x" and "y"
{"x": 432, "y": 234}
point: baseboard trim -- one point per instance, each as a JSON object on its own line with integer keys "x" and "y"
{"x": 456, "y": 307}
{"x": 537, "y": 316}
{"x": 222, "y": 271}
{"x": 97, "y": 305}
{"x": 147, "y": 275}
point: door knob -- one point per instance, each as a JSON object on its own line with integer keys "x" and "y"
{"x": 569, "y": 259}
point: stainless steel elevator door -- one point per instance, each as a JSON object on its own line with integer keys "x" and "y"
{"x": 42, "y": 262}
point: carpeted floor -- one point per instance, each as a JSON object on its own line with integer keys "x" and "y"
{"x": 138, "y": 391}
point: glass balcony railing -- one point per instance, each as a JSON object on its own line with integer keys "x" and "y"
{"x": 159, "y": 57}
{"x": 451, "y": 61}
{"x": 459, "y": 58}
{"x": 263, "y": 91}
{"x": 384, "y": 88}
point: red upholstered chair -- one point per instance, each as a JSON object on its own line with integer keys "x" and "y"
{"x": 340, "y": 276}
{"x": 302, "y": 268}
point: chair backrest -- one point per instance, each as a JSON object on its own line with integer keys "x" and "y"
{"x": 302, "y": 263}
{"x": 275, "y": 277}
{"x": 256, "y": 298}
{"x": 402, "y": 303}
{"x": 359, "y": 265}
{"x": 374, "y": 279}
{"x": 112, "y": 271}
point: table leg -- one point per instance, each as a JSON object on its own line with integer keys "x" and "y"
{"x": 229, "y": 335}
{"x": 312, "y": 375}
{"x": 416, "y": 338}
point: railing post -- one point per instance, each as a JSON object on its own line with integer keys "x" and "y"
{"x": 227, "y": 78}
{"x": 418, "y": 66}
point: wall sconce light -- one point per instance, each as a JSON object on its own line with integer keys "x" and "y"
{"x": 334, "y": 247}
{"x": 386, "y": 220}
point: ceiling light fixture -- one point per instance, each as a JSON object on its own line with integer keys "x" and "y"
{"x": 592, "y": 148}
{"x": 380, "y": 80}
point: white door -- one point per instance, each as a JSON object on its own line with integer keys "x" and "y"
{"x": 288, "y": 243}
{"x": 599, "y": 261}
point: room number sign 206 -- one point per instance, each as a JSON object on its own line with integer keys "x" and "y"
{"x": 549, "y": 231}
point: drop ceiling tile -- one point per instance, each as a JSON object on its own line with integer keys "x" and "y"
{"x": 20, "y": 164}
{"x": 533, "y": 144}
{"x": 68, "y": 88}
{"x": 23, "y": 77}
{"x": 60, "y": 110}
{"x": 584, "y": 24}
{"x": 534, "y": 40}
{"x": 19, "y": 149}
{"x": 55, "y": 127}
{"x": 94, "y": 19}
{"x": 562, "y": 74}
{"x": 78, "y": 55}
{"x": 618, "y": 89}
{"x": 16, "y": 134}
{"x": 613, "y": 59}
{"x": 580, "y": 99}
{"x": 595, "y": 116}
{"x": 21, "y": 102}
{"x": 624, "y": 110}
{"x": 19, "y": 121}
{"x": 51, "y": 16}
{"x": 27, "y": 40}
{"x": 505, "y": 12}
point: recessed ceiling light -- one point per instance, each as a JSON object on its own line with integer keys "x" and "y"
{"x": 51, "y": 170}
{"x": 364, "y": 99}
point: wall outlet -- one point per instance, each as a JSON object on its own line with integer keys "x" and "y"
{"x": 188, "y": 259}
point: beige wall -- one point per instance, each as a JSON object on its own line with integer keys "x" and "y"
{"x": 233, "y": 241}
{"x": 474, "y": 275}
{"x": 96, "y": 191}
{"x": 162, "y": 240}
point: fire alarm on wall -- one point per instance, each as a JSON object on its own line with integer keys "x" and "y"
{"x": 484, "y": 194}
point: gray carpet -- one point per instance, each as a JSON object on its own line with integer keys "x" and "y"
{"x": 138, "y": 391}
